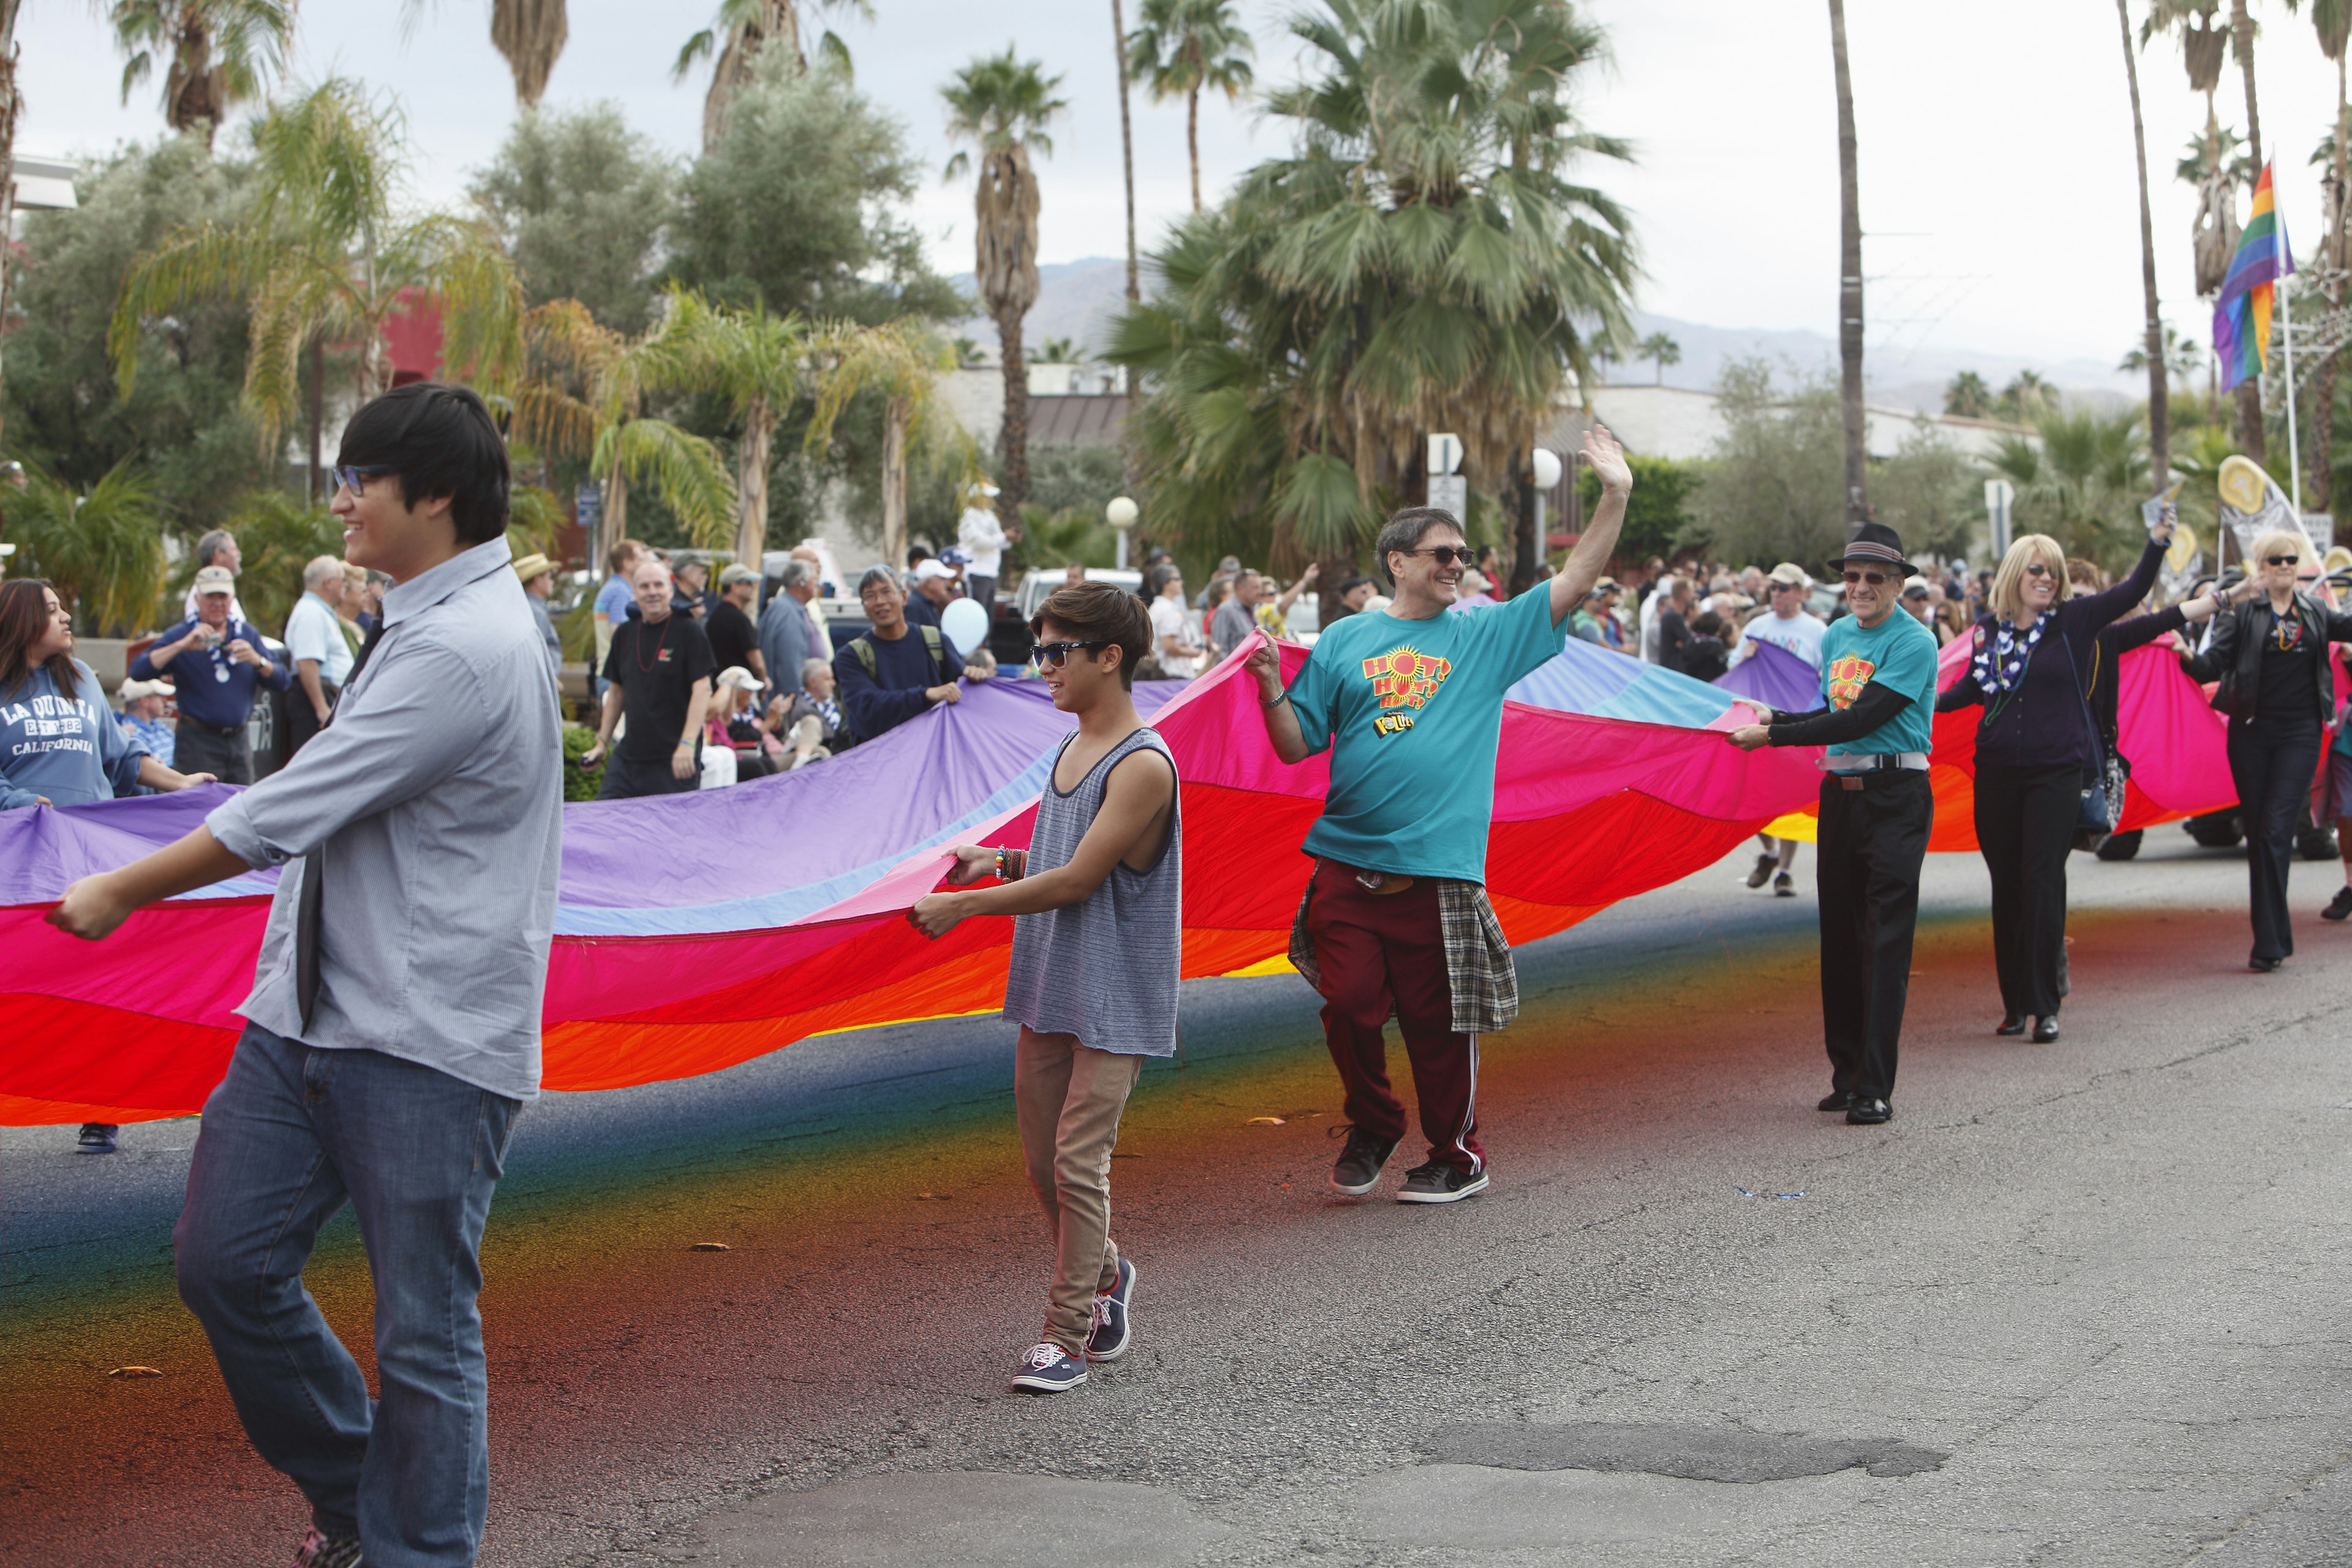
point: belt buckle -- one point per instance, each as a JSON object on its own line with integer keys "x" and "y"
{"x": 1850, "y": 781}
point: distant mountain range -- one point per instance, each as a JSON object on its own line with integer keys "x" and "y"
{"x": 1078, "y": 300}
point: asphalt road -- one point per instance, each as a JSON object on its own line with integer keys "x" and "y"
{"x": 2081, "y": 1303}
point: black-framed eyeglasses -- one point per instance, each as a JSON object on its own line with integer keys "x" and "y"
{"x": 353, "y": 477}
{"x": 1054, "y": 655}
{"x": 1876, "y": 579}
{"x": 2281, "y": 560}
{"x": 1444, "y": 554}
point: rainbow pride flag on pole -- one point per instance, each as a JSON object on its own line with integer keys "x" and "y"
{"x": 2242, "y": 315}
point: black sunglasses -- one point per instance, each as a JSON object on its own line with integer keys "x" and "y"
{"x": 1876, "y": 579}
{"x": 1054, "y": 655}
{"x": 2281, "y": 560}
{"x": 1444, "y": 554}
{"x": 353, "y": 477}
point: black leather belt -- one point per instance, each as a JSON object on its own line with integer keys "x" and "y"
{"x": 212, "y": 729}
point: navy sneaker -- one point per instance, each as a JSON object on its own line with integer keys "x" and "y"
{"x": 1437, "y": 1183}
{"x": 1359, "y": 1168}
{"x": 1049, "y": 1369}
{"x": 97, "y": 1138}
{"x": 1113, "y": 1326}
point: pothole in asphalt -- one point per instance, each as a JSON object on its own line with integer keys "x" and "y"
{"x": 1693, "y": 1453}
{"x": 960, "y": 1517}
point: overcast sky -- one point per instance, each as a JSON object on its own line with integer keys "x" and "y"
{"x": 1997, "y": 181}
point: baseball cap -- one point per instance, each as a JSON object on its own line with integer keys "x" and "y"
{"x": 1914, "y": 586}
{"x": 215, "y": 580}
{"x": 953, "y": 555}
{"x": 737, "y": 571}
{"x": 743, "y": 679}
{"x": 928, "y": 568}
{"x": 1789, "y": 571}
{"x": 133, "y": 690}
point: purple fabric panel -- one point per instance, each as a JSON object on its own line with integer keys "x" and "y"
{"x": 1776, "y": 678}
{"x": 851, "y": 811}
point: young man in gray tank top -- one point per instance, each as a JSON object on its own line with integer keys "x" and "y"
{"x": 1097, "y": 951}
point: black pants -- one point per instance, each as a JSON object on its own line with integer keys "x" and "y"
{"x": 2273, "y": 764}
{"x": 2025, "y": 827}
{"x": 1873, "y": 841}
{"x": 201, "y": 749}
{"x": 627, "y": 780}
{"x": 302, "y": 720}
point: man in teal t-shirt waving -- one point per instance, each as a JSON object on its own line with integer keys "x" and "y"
{"x": 1409, "y": 701}
{"x": 1878, "y": 688}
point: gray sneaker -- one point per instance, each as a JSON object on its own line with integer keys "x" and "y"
{"x": 1359, "y": 1168}
{"x": 1437, "y": 1183}
{"x": 1049, "y": 1369}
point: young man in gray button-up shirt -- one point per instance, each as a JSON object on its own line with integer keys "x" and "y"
{"x": 393, "y": 1030}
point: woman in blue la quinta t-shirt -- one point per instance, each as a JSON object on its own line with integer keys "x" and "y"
{"x": 59, "y": 744}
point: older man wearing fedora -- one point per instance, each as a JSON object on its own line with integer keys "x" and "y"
{"x": 1878, "y": 686}
{"x": 538, "y": 575}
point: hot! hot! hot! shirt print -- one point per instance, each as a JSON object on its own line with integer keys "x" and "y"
{"x": 1403, "y": 677}
{"x": 1412, "y": 711}
{"x": 1897, "y": 653}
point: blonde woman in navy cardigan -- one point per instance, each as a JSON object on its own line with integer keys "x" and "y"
{"x": 2036, "y": 749}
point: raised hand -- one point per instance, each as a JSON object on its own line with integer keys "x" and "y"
{"x": 1608, "y": 460}
{"x": 1265, "y": 664}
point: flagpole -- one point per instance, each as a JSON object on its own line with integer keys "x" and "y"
{"x": 2287, "y": 320}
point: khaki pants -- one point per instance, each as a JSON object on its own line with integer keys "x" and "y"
{"x": 1068, "y": 1098}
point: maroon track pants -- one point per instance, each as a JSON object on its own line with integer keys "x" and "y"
{"x": 1378, "y": 952}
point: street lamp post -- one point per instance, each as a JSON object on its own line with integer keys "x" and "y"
{"x": 1121, "y": 514}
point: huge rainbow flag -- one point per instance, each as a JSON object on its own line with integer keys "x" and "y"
{"x": 696, "y": 931}
{"x": 2242, "y": 311}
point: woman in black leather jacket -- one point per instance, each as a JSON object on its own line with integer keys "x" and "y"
{"x": 2269, "y": 655}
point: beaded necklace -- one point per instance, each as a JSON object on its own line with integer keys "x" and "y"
{"x": 2000, "y": 660}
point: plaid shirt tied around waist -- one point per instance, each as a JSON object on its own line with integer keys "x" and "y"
{"x": 1485, "y": 985}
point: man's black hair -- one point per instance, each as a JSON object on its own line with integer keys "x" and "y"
{"x": 1406, "y": 530}
{"x": 441, "y": 441}
{"x": 1352, "y": 583}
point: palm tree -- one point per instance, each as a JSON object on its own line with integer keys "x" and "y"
{"x": 2332, "y": 21}
{"x": 754, "y": 361}
{"x": 222, "y": 53}
{"x": 1967, "y": 396}
{"x": 740, "y": 34}
{"x": 528, "y": 34}
{"x": 321, "y": 256}
{"x": 2160, "y": 414}
{"x": 1183, "y": 46}
{"x": 102, "y": 552}
{"x": 1003, "y": 105}
{"x": 1126, "y": 145}
{"x": 2081, "y": 481}
{"x": 1421, "y": 262}
{"x": 1661, "y": 350}
{"x": 1848, "y": 277}
{"x": 585, "y": 397}
{"x": 900, "y": 359}
{"x": 1059, "y": 351}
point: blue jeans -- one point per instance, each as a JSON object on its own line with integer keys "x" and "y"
{"x": 291, "y": 1134}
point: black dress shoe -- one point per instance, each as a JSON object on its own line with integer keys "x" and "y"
{"x": 2339, "y": 906}
{"x": 1836, "y": 1103}
{"x": 2011, "y": 1023}
{"x": 2045, "y": 1029}
{"x": 2264, "y": 965}
{"x": 1867, "y": 1112}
